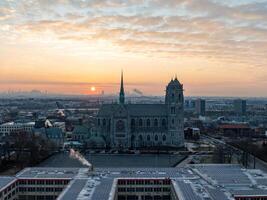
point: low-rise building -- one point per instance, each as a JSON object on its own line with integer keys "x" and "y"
{"x": 193, "y": 182}
{"x": 192, "y": 133}
{"x": 60, "y": 125}
{"x": 235, "y": 130}
{"x": 53, "y": 134}
{"x": 81, "y": 133}
{"x": 7, "y": 128}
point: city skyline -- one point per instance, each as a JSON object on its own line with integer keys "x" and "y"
{"x": 69, "y": 47}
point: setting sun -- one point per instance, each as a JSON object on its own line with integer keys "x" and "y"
{"x": 93, "y": 89}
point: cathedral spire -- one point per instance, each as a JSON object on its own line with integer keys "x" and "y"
{"x": 122, "y": 96}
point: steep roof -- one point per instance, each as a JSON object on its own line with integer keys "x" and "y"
{"x": 54, "y": 132}
{"x": 134, "y": 109}
{"x": 147, "y": 109}
{"x": 107, "y": 109}
{"x": 81, "y": 129}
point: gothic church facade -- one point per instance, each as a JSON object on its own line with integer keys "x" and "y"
{"x": 125, "y": 125}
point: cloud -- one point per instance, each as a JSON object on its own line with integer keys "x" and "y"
{"x": 6, "y": 13}
{"x": 188, "y": 28}
{"x": 64, "y": 83}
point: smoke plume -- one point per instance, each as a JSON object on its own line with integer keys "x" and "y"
{"x": 76, "y": 155}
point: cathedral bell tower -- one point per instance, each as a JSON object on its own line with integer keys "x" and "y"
{"x": 174, "y": 101}
{"x": 122, "y": 95}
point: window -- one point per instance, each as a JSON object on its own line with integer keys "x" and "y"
{"x": 104, "y": 122}
{"x": 163, "y": 122}
{"x": 132, "y": 123}
{"x": 120, "y": 126}
{"x": 156, "y": 138}
{"x": 148, "y": 122}
{"x": 140, "y": 122}
{"x": 164, "y": 138}
{"x": 148, "y": 138}
{"x": 140, "y": 137}
{"x": 173, "y": 110}
{"x": 156, "y": 122}
{"x": 139, "y": 189}
{"x": 148, "y": 189}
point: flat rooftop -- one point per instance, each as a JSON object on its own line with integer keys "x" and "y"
{"x": 5, "y": 181}
{"x": 46, "y": 172}
{"x": 18, "y": 123}
{"x": 204, "y": 181}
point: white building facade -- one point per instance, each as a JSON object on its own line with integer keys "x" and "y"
{"x": 7, "y": 128}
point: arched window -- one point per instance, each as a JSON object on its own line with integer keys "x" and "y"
{"x": 98, "y": 122}
{"x": 104, "y": 122}
{"x": 148, "y": 138}
{"x": 172, "y": 121}
{"x": 164, "y": 138}
{"x": 120, "y": 126}
{"x": 180, "y": 97}
{"x": 140, "y": 138}
{"x": 132, "y": 138}
{"x": 156, "y": 138}
{"x": 140, "y": 122}
{"x": 156, "y": 122}
{"x": 148, "y": 122}
{"x": 132, "y": 123}
{"x": 172, "y": 110}
{"x": 163, "y": 122}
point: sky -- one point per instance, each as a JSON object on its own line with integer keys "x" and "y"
{"x": 216, "y": 48}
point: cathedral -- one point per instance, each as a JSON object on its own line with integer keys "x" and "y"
{"x": 125, "y": 125}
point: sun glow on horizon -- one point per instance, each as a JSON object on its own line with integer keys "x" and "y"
{"x": 93, "y": 88}
{"x": 58, "y": 47}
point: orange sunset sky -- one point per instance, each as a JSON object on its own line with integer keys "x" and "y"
{"x": 216, "y": 48}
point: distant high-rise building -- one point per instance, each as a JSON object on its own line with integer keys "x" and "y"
{"x": 189, "y": 104}
{"x": 200, "y": 107}
{"x": 186, "y": 103}
{"x": 240, "y": 106}
{"x": 192, "y": 104}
